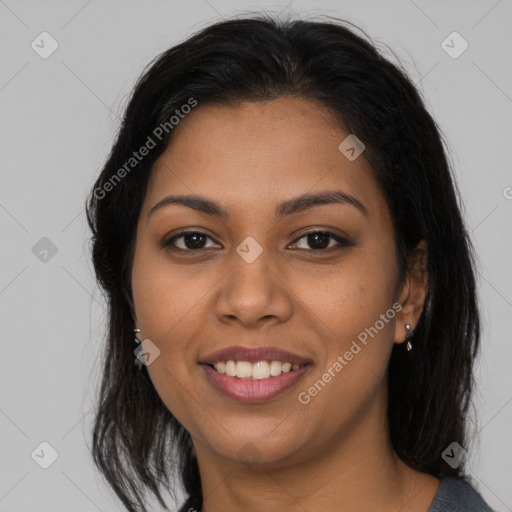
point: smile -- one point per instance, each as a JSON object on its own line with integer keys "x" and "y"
{"x": 254, "y": 371}
{"x": 259, "y": 388}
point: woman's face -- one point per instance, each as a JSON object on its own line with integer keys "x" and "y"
{"x": 255, "y": 279}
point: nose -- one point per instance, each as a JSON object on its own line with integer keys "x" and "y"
{"x": 254, "y": 294}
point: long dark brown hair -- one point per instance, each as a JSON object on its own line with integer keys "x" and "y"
{"x": 138, "y": 445}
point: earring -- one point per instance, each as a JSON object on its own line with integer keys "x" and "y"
{"x": 137, "y": 361}
{"x": 408, "y": 337}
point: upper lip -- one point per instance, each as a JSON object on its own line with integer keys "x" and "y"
{"x": 253, "y": 355}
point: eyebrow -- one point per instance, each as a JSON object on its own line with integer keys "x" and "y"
{"x": 295, "y": 205}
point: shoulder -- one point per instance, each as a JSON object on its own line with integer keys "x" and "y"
{"x": 457, "y": 495}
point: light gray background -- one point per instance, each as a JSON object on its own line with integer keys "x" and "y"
{"x": 58, "y": 119}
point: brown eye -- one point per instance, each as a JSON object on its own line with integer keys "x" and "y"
{"x": 192, "y": 241}
{"x": 319, "y": 240}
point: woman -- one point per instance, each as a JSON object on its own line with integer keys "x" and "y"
{"x": 278, "y": 229}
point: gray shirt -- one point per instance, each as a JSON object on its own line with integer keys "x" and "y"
{"x": 456, "y": 495}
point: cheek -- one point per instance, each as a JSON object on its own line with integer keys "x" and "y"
{"x": 351, "y": 372}
{"x": 170, "y": 306}
{"x": 164, "y": 295}
{"x": 161, "y": 304}
{"x": 355, "y": 318}
{"x": 351, "y": 296}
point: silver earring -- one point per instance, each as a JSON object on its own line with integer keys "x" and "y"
{"x": 408, "y": 337}
{"x": 137, "y": 361}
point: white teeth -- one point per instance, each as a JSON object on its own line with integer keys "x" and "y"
{"x": 254, "y": 371}
{"x": 243, "y": 369}
{"x": 261, "y": 370}
{"x": 230, "y": 368}
{"x": 275, "y": 368}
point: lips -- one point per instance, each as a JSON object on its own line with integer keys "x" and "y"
{"x": 254, "y": 390}
{"x": 253, "y": 355}
{"x": 259, "y": 389}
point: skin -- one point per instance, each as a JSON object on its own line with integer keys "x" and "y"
{"x": 333, "y": 453}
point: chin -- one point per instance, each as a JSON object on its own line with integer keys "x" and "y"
{"x": 259, "y": 447}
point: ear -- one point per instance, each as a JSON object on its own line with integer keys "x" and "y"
{"x": 413, "y": 292}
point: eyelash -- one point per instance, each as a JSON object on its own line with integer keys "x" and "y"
{"x": 342, "y": 242}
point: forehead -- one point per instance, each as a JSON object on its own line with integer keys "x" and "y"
{"x": 257, "y": 154}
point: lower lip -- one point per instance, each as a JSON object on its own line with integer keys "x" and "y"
{"x": 256, "y": 390}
